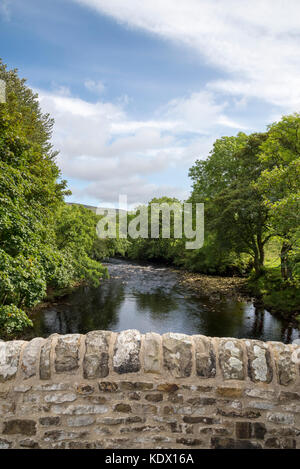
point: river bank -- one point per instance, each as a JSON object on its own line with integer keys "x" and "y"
{"x": 215, "y": 286}
{"x": 241, "y": 289}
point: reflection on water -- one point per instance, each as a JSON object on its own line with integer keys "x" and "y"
{"x": 149, "y": 298}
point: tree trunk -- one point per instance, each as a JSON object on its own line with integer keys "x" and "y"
{"x": 284, "y": 257}
{"x": 261, "y": 250}
{"x": 259, "y": 256}
{"x": 257, "y": 264}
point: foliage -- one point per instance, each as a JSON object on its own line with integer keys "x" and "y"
{"x": 280, "y": 186}
{"x": 43, "y": 241}
{"x": 12, "y": 320}
{"x": 160, "y": 249}
{"x": 235, "y": 209}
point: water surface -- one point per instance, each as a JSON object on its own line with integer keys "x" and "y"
{"x": 150, "y": 299}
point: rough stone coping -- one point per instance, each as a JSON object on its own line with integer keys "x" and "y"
{"x": 102, "y": 353}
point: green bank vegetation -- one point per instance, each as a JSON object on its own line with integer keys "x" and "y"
{"x": 45, "y": 244}
{"x": 250, "y": 185}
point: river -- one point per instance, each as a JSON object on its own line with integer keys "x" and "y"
{"x": 150, "y": 298}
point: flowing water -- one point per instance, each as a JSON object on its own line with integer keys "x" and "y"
{"x": 150, "y": 298}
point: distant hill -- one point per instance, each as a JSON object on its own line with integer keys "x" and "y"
{"x": 93, "y": 209}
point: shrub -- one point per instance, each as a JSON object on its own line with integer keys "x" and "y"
{"x": 12, "y": 321}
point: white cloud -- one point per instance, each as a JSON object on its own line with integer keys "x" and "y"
{"x": 199, "y": 112}
{"x": 95, "y": 86}
{"x": 137, "y": 190}
{"x": 111, "y": 154}
{"x": 256, "y": 42}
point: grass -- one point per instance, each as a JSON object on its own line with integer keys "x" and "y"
{"x": 272, "y": 253}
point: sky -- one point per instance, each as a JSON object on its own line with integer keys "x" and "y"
{"x": 140, "y": 90}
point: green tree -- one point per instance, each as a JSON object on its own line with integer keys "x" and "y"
{"x": 163, "y": 248}
{"x": 43, "y": 242}
{"x": 235, "y": 209}
{"x": 280, "y": 185}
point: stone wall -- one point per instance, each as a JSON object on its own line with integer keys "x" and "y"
{"x": 127, "y": 390}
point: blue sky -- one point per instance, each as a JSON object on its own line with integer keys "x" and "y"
{"x": 140, "y": 90}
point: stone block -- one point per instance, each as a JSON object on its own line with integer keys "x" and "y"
{"x": 96, "y": 358}
{"x": 231, "y": 359}
{"x": 9, "y": 359}
{"x": 126, "y": 357}
{"x": 177, "y": 354}
{"x": 205, "y": 357}
{"x": 67, "y": 353}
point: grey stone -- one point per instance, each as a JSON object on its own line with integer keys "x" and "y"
{"x": 126, "y": 352}
{"x": 67, "y": 353}
{"x": 249, "y": 414}
{"x": 259, "y": 361}
{"x": 59, "y": 435}
{"x": 95, "y": 363}
{"x": 189, "y": 441}
{"x": 286, "y": 369}
{"x": 111, "y": 421}
{"x": 53, "y": 387}
{"x": 85, "y": 445}
{"x": 22, "y": 388}
{"x": 205, "y": 357}
{"x": 292, "y": 408}
{"x": 146, "y": 409}
{"x": 30, "y": 444}
{"x": 260, "y": 393}
{"x": 30, "y": 358}
{"x": 132, "y": 386}
{"x": 152, "y": 343}
{"x": 49, "y": 421}
{"x": 177, "y": 354}
{"x": 29, "y": 409}
{"x": 280, "y": 443}
{"x": 9, "y": 359}
{"x": 103, "y": 431}
{"x": 143, "y": 429}
{"x": 60, "y": 397}
{"x": 79, "y": 409}
{"x": 45, "y": 366}
{"x": 261, "y": 405}
{"x": 80, "y": 421}
{"x": 281, "y": 418}
{"x": 32, "y": 398}
{"x": 4, "y": 444}
{"x": 135, "y": 419}
{"x": 231, "y": 359}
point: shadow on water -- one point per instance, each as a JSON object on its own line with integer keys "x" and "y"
{"x": 84, "y": 310}
{"x": 150, "y": 298}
